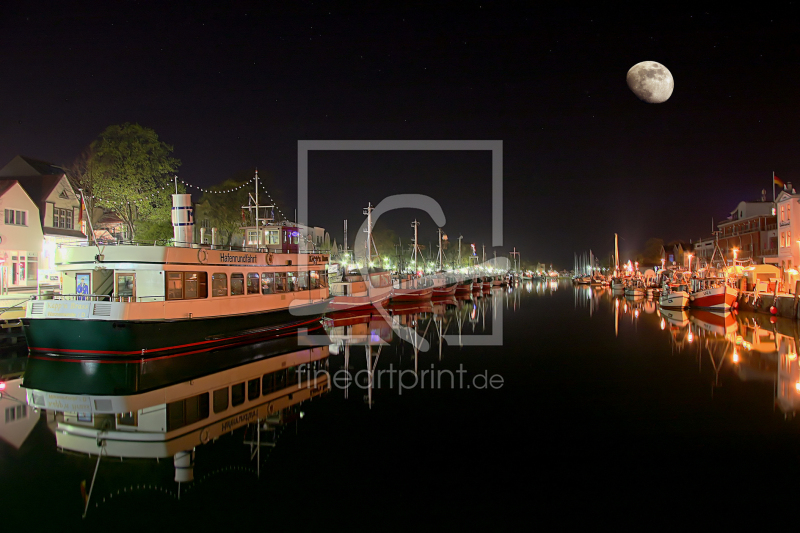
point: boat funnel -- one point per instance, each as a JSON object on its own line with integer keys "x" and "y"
{"x": 182, "y": 219}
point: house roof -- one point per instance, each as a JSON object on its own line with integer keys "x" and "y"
{"x": 5, "y": 185}
{"x": 28, "y": 166}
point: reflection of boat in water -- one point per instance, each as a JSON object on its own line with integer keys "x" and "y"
{"x": 676, "y": 317}
{"x": 171, "y": 419}
{"x": 722, "y": 324}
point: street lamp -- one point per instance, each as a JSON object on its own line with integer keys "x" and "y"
{"x": 690, "y": 262}
{"x": 736, "y": 251}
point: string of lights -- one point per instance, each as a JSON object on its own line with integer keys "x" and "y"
{"x": 191, "y": 186}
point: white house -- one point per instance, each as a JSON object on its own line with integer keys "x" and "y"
{"x": 20, "y": 237}
{"x": 58, "y": 210}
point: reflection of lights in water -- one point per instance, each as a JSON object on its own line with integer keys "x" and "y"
{"x": 616, "y": 302}
{"x": 691, "y": 337}
{"x": 738, "y": 339}
{"x": 625, "y": 308}
{"x": 636, "y": 313}
{"x": 792, "y": 356}
{"x": 663, "y": 323}
{"x": 797, "y": 385}
{"x": 474, "y": 311}
{"x": 658, "y": 312}
{"x": 589, "y": 294}
{"x": 735, "y": 356}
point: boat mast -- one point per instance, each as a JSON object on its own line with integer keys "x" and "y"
{"x": 440, "y": 250}
{"x": 415, "y": 225}
{"x": 616, "y": 254}
{"x": 459, "y": 249}
{"x": 368, "y": 230}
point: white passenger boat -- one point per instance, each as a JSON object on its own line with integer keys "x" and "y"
{"x": 153, "y": 301}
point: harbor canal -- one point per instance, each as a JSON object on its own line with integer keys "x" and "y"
{"x": 592, "y": 408}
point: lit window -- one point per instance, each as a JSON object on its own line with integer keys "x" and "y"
{"x": 62, "y": 218}
{"x": 16, "y": 218}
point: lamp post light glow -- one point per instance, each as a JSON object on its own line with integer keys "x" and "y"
{"x": 690, "y": 262}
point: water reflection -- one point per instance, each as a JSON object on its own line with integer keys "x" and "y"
{"x": 753, "y": 347}
{"x": 191, "y": 417}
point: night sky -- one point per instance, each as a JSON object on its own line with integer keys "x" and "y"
{"x": 237, "y": 85}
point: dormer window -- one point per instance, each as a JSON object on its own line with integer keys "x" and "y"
{"x": 62, "y": 218}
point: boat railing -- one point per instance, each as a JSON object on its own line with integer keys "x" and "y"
{"x": 170, "y": 242}
{"x": 83, "y": 297}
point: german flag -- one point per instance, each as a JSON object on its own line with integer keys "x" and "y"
{"x": 777, "y": 181}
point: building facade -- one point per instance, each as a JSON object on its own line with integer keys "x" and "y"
{"x": 750, "y": 229}
{"x": 21, "y": 238}
{"x": 58, "y": 215}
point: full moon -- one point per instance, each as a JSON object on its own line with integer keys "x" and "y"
{"x": 651, "y": 82}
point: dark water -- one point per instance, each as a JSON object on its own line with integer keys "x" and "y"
{"x": 608, "y": 413}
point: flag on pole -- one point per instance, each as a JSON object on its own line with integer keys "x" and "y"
{"x": 777, "y": 181}
{"x": 80, "y": 213}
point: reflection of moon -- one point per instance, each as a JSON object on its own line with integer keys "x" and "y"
{"x": 651, "y": 82}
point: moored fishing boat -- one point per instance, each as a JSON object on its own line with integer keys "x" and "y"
{"x": 674, "y": 296}
{"x": 352, "y": 292}
{"x": 411, "y": 289}
{"x": 444, "y": 285}
{"x": 712, "y": 293}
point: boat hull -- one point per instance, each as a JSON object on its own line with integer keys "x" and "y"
{"x": 411, "y": 295}
{"x": 716, "y": 298}
{"x": 675, "y": 300}
{"x": 444, "y": 292}
{"x": 157, "y": 338}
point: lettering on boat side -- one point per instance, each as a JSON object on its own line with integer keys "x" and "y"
{"x": 244, "y": 418}
{"x": 68, "y": 309}
{"x": 233, "y": 258}
{"x": 316, "y": 259}
{"x": 66, "y": 402}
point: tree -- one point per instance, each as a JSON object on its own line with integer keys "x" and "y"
{"x": 130, "y": 172}
{"x": 223, "y": 208}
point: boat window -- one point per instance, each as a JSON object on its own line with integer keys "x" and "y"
{"x": 237, "y": 394}
{"x": 252, "y": 283}
{"x": 253, "y": 389}
{"x": 302, "y": 281}
{"x": 313, "y": 279}
{"x": 280, "y": 379}
{"x": 126, "y": 286}
{"x": 219, "y": 284}
{"x": 174, "y": 285}
{"x": 237, "y": 284}
{"x": 188, "y": 411}
{"x": 187, "y": 285}
{"x": 267, "y": 384}
{"x": 280, "y": 282}
{"x": 220, "y": 400}
{"x": 291, "y": 281}
{"x": 267, "y": 283}
{"x": 323, "y": 280}
{"x": 272, "y": 236}
{"x": 291, "y": 376}
{"x": 195, "y": 285}
{"x": 127, "y": 419}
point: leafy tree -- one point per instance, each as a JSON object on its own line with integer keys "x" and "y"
{"x": 224, "y": 208}
{"x": 131, "y": 172}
